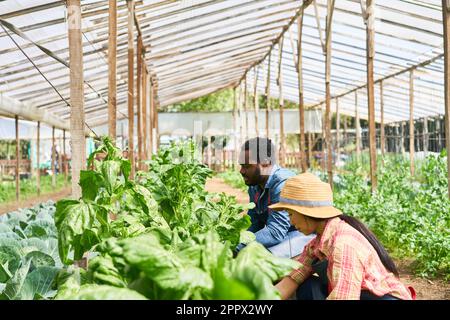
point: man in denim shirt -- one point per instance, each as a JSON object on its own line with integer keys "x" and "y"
{"x": 265, "y": 180}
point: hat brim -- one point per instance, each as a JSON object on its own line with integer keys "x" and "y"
{"x": 315, "y": 212}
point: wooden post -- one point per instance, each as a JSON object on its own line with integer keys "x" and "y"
{"x": 411, "y": 121}
{"x": 268, "y": 97}
{"x": 209, "y": 153}
{"x": 281, "y": 104}
{"x": 256, "y": 102}
{"x": 53, "y": 159}
{"x": 112, "y": 69}
{"x": 60, "y": 163}
{"x": 65, "y": 163}
{"x": 144, "y": 114}
{"x": 241, "y": 119}
{"x": 323, "y": 140}
{"x": 370, "y": 39}
{"x": 17, "y": 159}
{"x": 38, "y": 162}
{"x": 382, "y": 136}
{"x": 301, "y": 103}
{"x": 358, "y": 129}
{"x": 446, "y": 26}
{"x": 330, "y": 9}
{"x": 77, "y": 117}
{"x": 338, "y": 128}
{"x": 310, "y": 148}
{"x": 402, "y": 137}
{"x": 344, "y": 119}
{"x": 138, "y": 100}
{"x": 236, "y": 147}
{"x": 425, "y": 136}
{"x": 152, "y": 117}
{"x": 131, "y": 85}
{"x": 245, "y": 108}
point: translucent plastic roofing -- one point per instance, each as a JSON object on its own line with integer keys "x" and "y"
{"x": 196, "y": 47}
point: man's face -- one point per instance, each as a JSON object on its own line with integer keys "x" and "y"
{"x": 253, "y": 173}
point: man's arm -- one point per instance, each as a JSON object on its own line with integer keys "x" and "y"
{"x": 278, "y": 222}
{"x": 276, "y": 229}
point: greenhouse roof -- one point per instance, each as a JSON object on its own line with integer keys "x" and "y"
{"x": 196, "y": 47}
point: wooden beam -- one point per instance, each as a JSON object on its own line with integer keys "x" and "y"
{"x": 446, "y": 27}
{"x": 139, "y": 101}
{"x": 77, "y": 117}
{"x": 281, "y": 104}
{"x": 301, "y": 102}
{"x": 255, "y": 101}
{"x": 131, "y": 86}
{"x": 411, "y": 122}
{"x": 370, "y": 40}
{"x": 112, "y": 70}
{"x": 17, "y": 171}
{"x": 53, "y": 159}
{"x": 330, "y": 9}
{"x": 305, "y": 4}
{"x": 382, "y": 137}
{"x": 38, "y": 162}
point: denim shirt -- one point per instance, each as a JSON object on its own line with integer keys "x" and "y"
{"x": 270, "y": 227}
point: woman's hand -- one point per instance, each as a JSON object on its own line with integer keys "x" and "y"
{"x": 287, "y": 287}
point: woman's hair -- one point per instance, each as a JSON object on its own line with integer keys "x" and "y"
{"x": 381, "y": 251}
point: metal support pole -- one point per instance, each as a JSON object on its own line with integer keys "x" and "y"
{"x": 338, "y": 128}
{"x": 138, "y": 100}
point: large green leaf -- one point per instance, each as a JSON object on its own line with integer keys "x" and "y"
{"x": 104, "y": 292}
{"x": 110, "y": 170}
{"x": 40, "y": 259}
{"x": 75, "y": 221}
{"x": 14, "y": 286}
{"x": 90, "y": 182}
{"x": 41, "y": 229}
{"x": 38, "y": 283}
{"x": 10, "y": 260}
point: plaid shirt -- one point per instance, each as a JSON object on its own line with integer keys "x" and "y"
{"x": 353, "y": 264}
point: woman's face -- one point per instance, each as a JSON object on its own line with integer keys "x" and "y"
{"x": 301, "y": 222}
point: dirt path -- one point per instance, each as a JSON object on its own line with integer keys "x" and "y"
{"x": 30, "y": 202}
{"x": 436, "y": 289}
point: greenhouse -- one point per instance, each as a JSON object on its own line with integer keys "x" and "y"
{"x": 224, "y": 149}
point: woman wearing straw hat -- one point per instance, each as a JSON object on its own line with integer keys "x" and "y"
{"x": 349, "y": 260}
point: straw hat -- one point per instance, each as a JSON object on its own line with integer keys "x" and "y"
{"x": 308, "y": 195}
